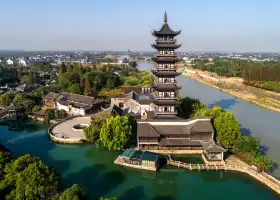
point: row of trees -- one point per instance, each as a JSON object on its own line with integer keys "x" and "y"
{"x": 110, "y": 131}
{"x": 90, "y": 82}
{"x": 28, "y": 177}
{"x": 250, "y": 71}
{"x": 227, "y": 131}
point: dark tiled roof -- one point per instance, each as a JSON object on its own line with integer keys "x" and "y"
{"x": 146, "y": 130}
{"x": 27, "y": 88}
{"x": 165, "y": 73}
{"x": 166, "y": 30}
{"x": 166, "y": 59}
{"x": 165, "y": 86}
{"x": 202, "y": 127}
{"x": 51, "y": 96}
{"x": 166, "y": 102}
{"x": 79, "y": 98}
{"x": 175, "y": 46}
{"x": 151, "y": 114}
{"x": 136, "y": 90}
{"x": 212, "y": 147}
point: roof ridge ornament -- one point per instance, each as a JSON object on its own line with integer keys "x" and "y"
{"x": 165, "y": 17}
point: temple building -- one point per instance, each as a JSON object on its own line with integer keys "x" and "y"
{"x": 161, "y": 129}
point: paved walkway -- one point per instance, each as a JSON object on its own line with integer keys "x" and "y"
{"x": 64, "y": 129}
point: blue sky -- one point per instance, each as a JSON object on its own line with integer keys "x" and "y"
{"x": 207, "y": 25}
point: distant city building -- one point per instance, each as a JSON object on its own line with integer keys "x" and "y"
{"x": 22, "y": 62}
{"x": 9, "y": 62}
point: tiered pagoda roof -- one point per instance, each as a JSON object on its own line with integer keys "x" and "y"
{"x": 165, "y": 29}
{"x": 165, "y": 73}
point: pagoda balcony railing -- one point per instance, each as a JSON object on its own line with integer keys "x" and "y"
{"x": 166, "y": 68}
{"x": 166, "y": 113}
{"x": 167, "y": 54}
{"x": 166, "y": 98}
{"x": 166, "y": 40}
{"x": 166, "y": 82}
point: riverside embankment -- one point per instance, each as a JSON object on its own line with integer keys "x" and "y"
{"x": 235, "y": 87}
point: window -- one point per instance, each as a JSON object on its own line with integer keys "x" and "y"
{"x": 160, "y": 80}
{"x": 160, "y": 66}
{"x": 121, "y": 105}
{"x": 160, "y": 109}
{"x": 172, "y": 94}
{"x": 160, "y": 94}
{"x": 172, "y": 109}
{"x": 172, "y": 80}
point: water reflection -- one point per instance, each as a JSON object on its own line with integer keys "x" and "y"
{"x": 224, "y": 103}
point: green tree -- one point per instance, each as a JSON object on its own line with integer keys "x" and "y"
{"x": 75, "y": 192}
{"x": 227, "y": 129}
{"x": 62, "y": 69}
{"x": 110, "y": 83}
{"x": 36, "y": 109}
{"x": 28, "y": 79}
{"x": 112, "y": 198}
{"x": 5, "y": 157}
{"x": 87, "y": 89}
{"x": 20, "y": 97}
{"x": 92, "y": 133}
{"x": 75, "y": 88}
{"x": 60, "y": 114}
{"x": 50, "y": 114}
{"x": 37, "y": 181}
{"x": 5, "y": 99}
{"x": 115, "y": 132}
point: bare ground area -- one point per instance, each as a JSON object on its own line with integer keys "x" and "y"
{"x": 235, "y": 87}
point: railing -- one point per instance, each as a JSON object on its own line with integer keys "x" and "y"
{"x": 167, "y": 41}
{"x": 166, "y": 113}
{"x": 166, "y": 54}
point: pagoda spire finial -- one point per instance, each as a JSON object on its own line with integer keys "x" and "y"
{"x": 165, "y": 17}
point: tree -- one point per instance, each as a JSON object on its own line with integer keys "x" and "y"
{"x": 20, "y": 97}
{"x": 28, "y": 79}
{"x": 50, "y": 114}
{"x": 109, "y": 83}
{"x": 60, "y": 114}
{"x": 5, "y": 157}
{"x": 75, "y": 88}
{"x": 115, "y": 132}
{"x": 227, "y": 129}
{"x": 92, "y": 133}
{"x": 29, "y": 104}
{"x": 36, "y": 109}
{"x": 112, "y": 198}
{"x": 5, "y": 100}
{"x": 133, "y": 64}
{"x": 75, "y": 192}
{"x": 37, "y": 181}
{"x": 62, "y": 69}
{"x": 87, "y": 89}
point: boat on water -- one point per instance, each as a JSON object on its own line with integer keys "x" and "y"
{"x": 139, "y": 160}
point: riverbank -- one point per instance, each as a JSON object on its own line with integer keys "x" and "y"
{"x": 235, "y": 87}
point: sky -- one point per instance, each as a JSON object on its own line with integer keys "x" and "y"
{"x": 207, "y": 25}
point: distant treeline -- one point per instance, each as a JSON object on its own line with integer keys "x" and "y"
{"x": 250, "y": 71}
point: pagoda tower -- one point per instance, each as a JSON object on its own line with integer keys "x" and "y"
{"x": 165, "y": 86}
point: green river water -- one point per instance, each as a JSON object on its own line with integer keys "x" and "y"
{"x": 93, "y": 168}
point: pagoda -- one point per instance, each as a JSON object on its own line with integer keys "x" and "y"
{"x": 165, "y": 85}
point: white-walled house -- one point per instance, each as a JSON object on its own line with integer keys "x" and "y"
{"x": 73, "y": 104}
{"x": 9, "y": 62}
{"x": 22, "y": 62}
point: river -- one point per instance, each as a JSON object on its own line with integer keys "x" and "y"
{"x": 254, "y": 120}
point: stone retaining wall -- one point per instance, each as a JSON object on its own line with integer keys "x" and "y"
{"x": 63, "y": 140}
